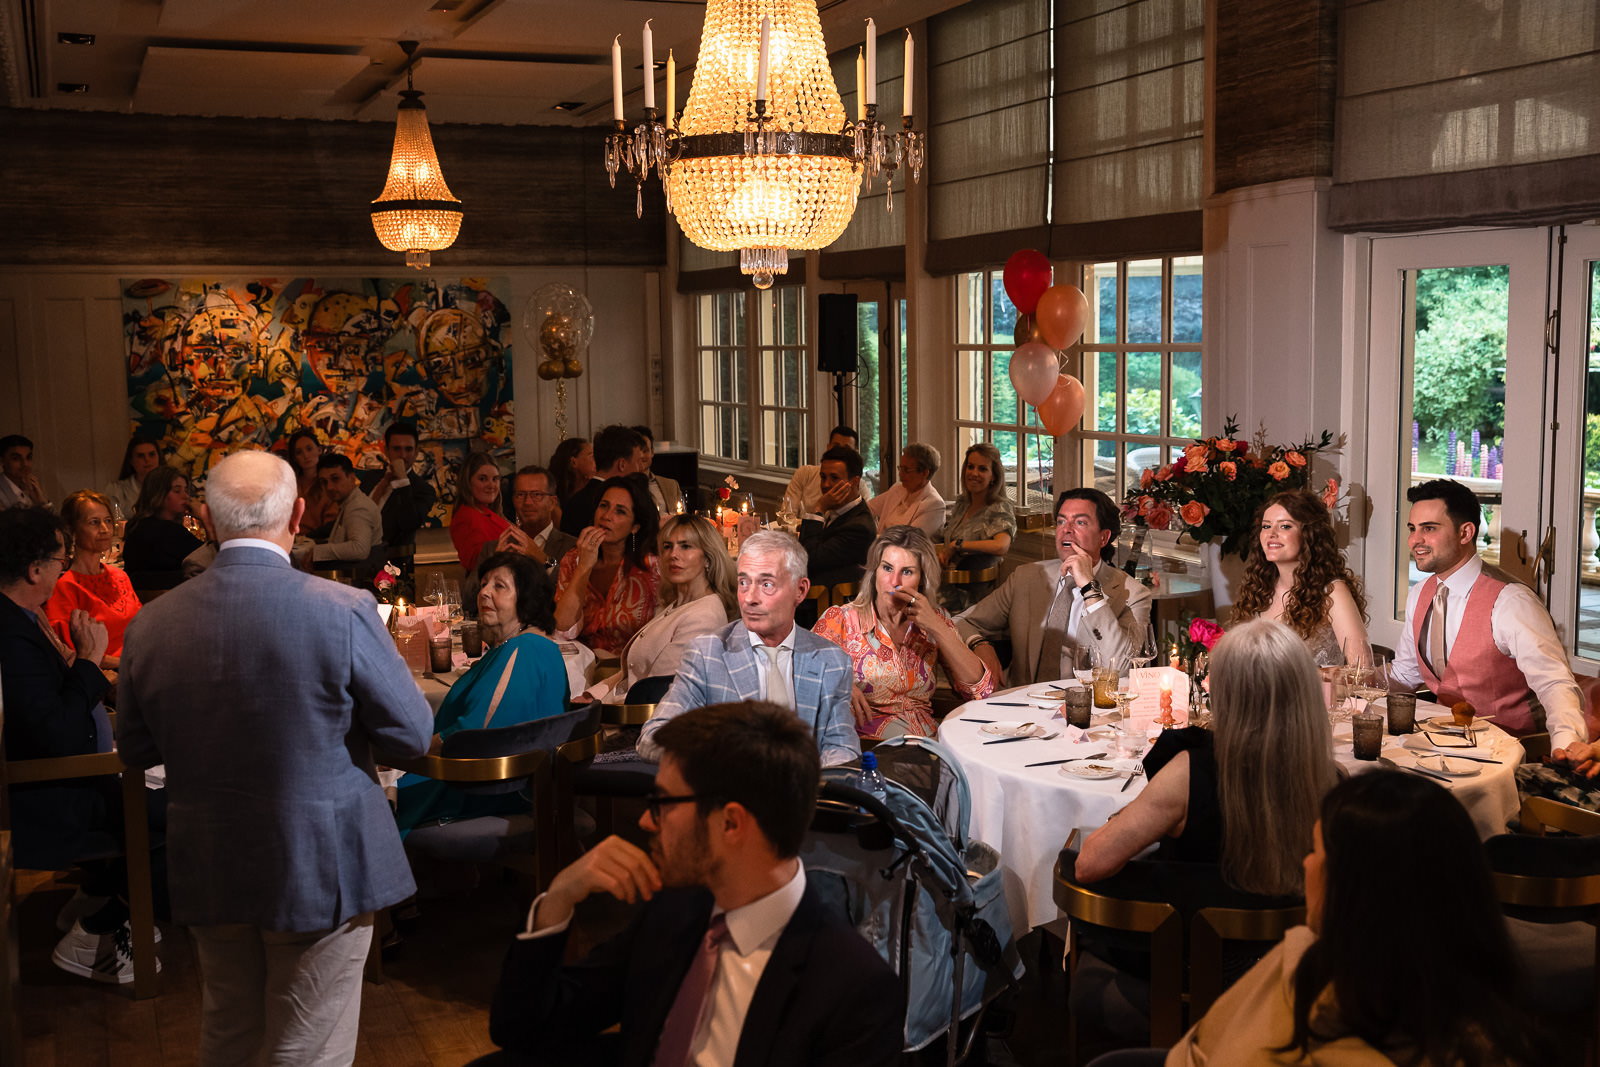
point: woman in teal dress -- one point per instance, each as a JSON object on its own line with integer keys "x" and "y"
{"x": 520, "y": 678}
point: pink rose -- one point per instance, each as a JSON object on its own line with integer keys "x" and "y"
{"x": 1194, "y": 513}
{"x": 1204, "y": 632}
{"x": 1330, "y": 495}
{"x": 1160, "y": 517}
{"x": 1279, "y": 470}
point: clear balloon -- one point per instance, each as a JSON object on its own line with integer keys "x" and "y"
{"x": 1062, "y": 313}
{"x": 560, "y": 320}
{"x": 1062, "y": 409}
{"x": 1027, "y": 275}
{"x": 1033, "y": 371}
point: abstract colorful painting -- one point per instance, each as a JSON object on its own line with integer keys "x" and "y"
{"x": 219, "y": 365}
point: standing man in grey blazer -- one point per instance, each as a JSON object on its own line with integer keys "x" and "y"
{"x": 1052, "y": 609}
{"x": 265, "y": 691}
{"x": 765, "y": 656}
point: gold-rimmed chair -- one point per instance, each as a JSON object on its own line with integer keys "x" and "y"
{"x": 1553, "y": 881}
{"x": 607, "y": 781}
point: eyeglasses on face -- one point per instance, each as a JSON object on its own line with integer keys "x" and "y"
{"x": 656, "y": 801}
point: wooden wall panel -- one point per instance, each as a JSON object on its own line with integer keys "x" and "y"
{"x": 1274, "y": 76}
{"x": 95, "y": 189}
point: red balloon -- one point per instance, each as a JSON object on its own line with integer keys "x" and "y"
{"x": 1063, "y": 408}
{"x": 1027, "y": 276}
{"x": 1062, "y": 313}
{"x": 1034, "y": 368}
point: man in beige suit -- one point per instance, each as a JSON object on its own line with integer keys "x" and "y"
{"x": 1052, "y": 609}
{"x": 359, "y": 526}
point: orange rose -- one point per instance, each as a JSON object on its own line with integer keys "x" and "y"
{"x": 1229, "y": 468}
{"x": 1279, "y": 470}
{"x": 1146, "y": 478}
{"x": 1295, "y": 459}
{"x": 1160, "y": 517}
{"x": 1330, "y": 495}
{"x": 1227, "y": 444}
{"x": 1163, "y": 472}
{"x": 1194, "y": 458}
{"x": 1194, "y": 513}
{"x": 1145, "y": 504}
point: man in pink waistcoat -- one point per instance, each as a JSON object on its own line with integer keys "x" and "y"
{"x": 1474, "y": 633}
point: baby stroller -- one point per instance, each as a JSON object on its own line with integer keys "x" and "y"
{"x": 905, "y": 875}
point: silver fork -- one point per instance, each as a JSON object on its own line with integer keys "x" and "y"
{"x": 1137, "y": 772}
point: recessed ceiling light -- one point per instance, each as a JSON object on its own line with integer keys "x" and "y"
{"x": 567, "y": 105}
{"x": 75, "y": 38}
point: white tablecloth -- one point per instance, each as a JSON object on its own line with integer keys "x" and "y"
{"x": 1027, "y": 813}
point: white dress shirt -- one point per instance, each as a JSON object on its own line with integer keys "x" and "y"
{"x": 763, "y": 665}
{"x": 1521, "y": 629}
{"x": 896, "y": 507}
{"x": 254, "y": 542}
{"x": 805, "y": 488}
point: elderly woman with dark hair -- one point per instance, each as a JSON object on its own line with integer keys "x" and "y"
{"x": 520, "y": 678}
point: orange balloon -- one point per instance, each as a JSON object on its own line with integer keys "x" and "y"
{"x": 1062, "y": 314}
{"x": 1063, "y": 408}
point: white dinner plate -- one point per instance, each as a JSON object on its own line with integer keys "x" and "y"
{"x": 1454, "y": 768}
{"x": 1088, "y": 770}
{"x": 1013, "y": 728}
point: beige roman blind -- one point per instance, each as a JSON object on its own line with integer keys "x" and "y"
{"x": 1466, "y": 111}
{"x": 988, "y": 132}
{"x": 1129, "y": 112}
{"x": 873, "y": 245}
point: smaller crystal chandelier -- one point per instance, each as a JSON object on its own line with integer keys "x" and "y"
{"x": 416, "y": 212}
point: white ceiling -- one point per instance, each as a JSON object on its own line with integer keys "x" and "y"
{"x": 496, "y": 61}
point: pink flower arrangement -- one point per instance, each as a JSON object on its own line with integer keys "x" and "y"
{"x": 1330, "y": 493}
{"x": 1205, "y": 633}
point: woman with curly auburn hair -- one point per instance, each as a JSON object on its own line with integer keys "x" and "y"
{"x": 1296, "y": 575}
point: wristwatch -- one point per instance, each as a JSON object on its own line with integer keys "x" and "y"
{"x": 1091, "y": 590}
{"x": 955, "y": 546}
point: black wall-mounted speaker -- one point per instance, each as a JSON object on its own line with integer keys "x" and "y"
{"x": 836, "y": 333}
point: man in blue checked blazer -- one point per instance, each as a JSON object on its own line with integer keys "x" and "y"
{"x": 765, "y": 656}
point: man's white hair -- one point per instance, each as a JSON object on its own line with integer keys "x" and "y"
{"x": 250, "y": 494}
{"x": 775, "y": 543}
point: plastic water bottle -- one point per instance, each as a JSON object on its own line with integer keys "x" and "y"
{"x": 871, "y": 779}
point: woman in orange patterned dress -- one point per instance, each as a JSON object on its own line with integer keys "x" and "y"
{"x": 897, "y": 636}
{"x": 606, "y": 587}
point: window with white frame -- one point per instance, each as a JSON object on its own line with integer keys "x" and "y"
{"x": 753, "y": 379}
{"x": 1142, "y": 370}
{"x": 987, "y": 407}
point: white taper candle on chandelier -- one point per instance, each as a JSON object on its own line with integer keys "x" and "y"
{"x": 672, "y": 88}
{"x": 649, "y": 67}
{"x": 906, "y": 108}
{"x": 861, "y": 84}
{"x": 761, "y": 64}
{"x": 616, "y": 77}
{"x": 872, "y": 62}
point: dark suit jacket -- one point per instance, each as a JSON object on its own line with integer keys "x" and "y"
{"x": 49, "y": 711}
{"x": 825, "y": 997}
{"x": 838, "y": 550}
{"x": 578, "y": 510}
{"x": 405, "y": 510}
{"x": 264, "y": 690}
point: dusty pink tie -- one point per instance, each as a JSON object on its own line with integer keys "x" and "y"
{"x": 683, "y": 1021}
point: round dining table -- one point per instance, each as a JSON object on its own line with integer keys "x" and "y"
{"x": 1026, "y": 812}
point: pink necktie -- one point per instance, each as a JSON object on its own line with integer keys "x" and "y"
{"x": 683, "y": 1021}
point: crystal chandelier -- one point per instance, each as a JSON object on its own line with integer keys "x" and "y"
{"x": 416, "y": 212}
{"x": 763, "y": 160}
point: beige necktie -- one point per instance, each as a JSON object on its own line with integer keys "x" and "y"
{"x": 1053, "y": 642}
{"x": 1436, "y": 658}
{"x": 777, "y": 675}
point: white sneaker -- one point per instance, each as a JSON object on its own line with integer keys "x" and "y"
{"x": 103, "y": 957}
{"x": 81, "y": 905}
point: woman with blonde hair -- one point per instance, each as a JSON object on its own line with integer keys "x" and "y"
{"x": 1245, "y": 794}
{"x": 697, "y": 597}
{"x": 896, "y": 636}
{"x": 1295, "y": 574}
{"x": 104, "y": 592}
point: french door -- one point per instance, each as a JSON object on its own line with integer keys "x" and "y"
{"x": 1479, "y": 351}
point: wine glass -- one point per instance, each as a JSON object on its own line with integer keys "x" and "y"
{"x": 435, "y": 593}
{"x": 1127, "y": 690}
{"x": 1146, "y": 652}
{"x": 452, "y": 603}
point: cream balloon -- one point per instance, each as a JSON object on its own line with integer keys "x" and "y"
{"x": 1033, "y": 371}
{"x": 1063, "y": 408}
